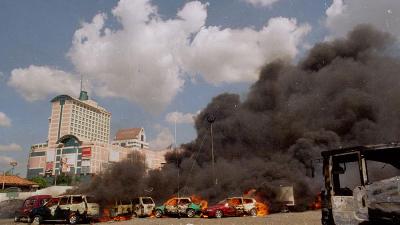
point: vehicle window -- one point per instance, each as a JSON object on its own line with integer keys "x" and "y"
{"x": 52, "y": 202}
{"x": 90, "y": 199}
{"x": 173, "y": 201}
{"x": 234, "y": 201}
{"x": 248, "y": 201}
{"x": 147, "y": 201}
{"x": 64, "y": 201}
{"x": 380, "y": 171}
{"x": 29, "y": 202}
{"x": 77, "y": 199}
{"x": 349, "y": 178}
{"x": 135, "y": 201}
{"x": 43, "y": 201}
{"x": 184, "y": 201}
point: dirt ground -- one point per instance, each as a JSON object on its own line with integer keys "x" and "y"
{"x": 304, "y": 218}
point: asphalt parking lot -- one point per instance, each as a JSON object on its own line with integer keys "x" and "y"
{"x": 304, "y": 218}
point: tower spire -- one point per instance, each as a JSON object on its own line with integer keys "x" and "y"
{"x": 83, "y": 95}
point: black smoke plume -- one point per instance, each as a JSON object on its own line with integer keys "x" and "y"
{"x": 344, "y": 92}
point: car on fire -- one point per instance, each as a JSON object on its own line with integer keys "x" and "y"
{"x": 235, "y": 206}
{"x": 362, "y": 185}
{"x": 142, "y": 206}
{"x": 29, "y": 204}
{"x": 178, "y": 206}
{"x": 67, "y": 208}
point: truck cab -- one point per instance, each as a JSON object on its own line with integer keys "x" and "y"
{"x": 362, "y": 185}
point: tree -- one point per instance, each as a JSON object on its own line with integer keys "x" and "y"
{"x": 41, "y": 181}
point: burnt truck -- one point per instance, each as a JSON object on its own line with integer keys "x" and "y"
{"x": 362, "y": 185}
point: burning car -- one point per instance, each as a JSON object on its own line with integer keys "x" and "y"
{"x": 67, "y": 208}
{"x": 236, "y": 206}
{"x": 362, "y": 185}
{"x": 178, "y": 206}
{"x": 142, "y": 206}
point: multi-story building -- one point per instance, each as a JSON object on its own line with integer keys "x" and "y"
{"x": 78, "y": 140}
{"x": 131, "y": 138}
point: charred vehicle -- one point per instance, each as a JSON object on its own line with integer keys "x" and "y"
{"x": 29, "y": 204}
{"x": 67, "y": 208}
{"x": 362, "y": 185}
{"x": 142, "y": 206}
{"x": 236, "y": 206}
{"x": 178, "y": 207}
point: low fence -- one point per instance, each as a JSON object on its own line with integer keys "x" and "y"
{"x": 53, "y": 191}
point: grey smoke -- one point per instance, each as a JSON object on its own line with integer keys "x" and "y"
{"x": 344, "y": 92}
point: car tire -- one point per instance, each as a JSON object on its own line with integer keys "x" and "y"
{"x": 253, "y": 212}
{"x": 219, "y": 214}
{"x": 73, "y": 219}
{"x": 134, "y": 215}
{"x": 16, "y": 219}
{"x": 36, "y": 220}
{"x": 158, "y": 213}
{"x": 190, "y": 213}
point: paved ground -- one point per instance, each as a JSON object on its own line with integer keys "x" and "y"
{"x": 305, "y": 218}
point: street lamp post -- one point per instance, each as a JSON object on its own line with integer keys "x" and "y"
{"x": 211, "y": 119}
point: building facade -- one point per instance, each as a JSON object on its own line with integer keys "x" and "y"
{"x": 131, "y": 138}
{"x": 78, "y": 141}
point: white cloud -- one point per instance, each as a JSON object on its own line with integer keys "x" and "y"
{"x": 5, "y": 121}
{"x": 236, "y": 55}
{"x": 180, "y": 117}
{"x": 261, "y": 2}
{"x": 342, "y": 16}
{"x": 148, "y": 58}
{"x": 163, "y": 139}
{"x": 10, "y": 147}
{"x": 38, "y": 82}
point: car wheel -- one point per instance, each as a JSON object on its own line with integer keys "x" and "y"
{"x": 16, "y": 219}
{"x": 253, "y": 212}
{"x": 72, "y": 219}
{"x": 219, "y": 214}
{"x": 190, "y": 213}
{"x": 134, "y": 215}
{"x": 37, "y": 220}
{"x": 158, "y": 213}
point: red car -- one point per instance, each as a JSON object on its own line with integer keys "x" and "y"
{"x": 236, "y": 206}
{"x": 29, "y": 204}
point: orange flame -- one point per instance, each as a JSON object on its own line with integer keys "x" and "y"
{"x": 261, "y": 203}
{"x": 199, "y": 201}
{"x": 317, "y": 203}
{"x": 262, "y": 209}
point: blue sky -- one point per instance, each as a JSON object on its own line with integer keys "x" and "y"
{"x": 38, "y": 39}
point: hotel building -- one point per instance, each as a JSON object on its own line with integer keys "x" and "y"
{"x": 78, "y": 140}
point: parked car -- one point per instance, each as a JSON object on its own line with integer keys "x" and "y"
{"x": 178, "y": 206}
{"x": 30, "y": 203}
{"x": 143, "y": 206}
{"x": 235, "y": 206}
{"x": 67, "y": 208}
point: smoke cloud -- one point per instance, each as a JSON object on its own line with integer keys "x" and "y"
{"x": 344, "y": 92}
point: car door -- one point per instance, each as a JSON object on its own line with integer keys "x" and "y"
{"x": 63, "y": 209}
{"x": 78, "y": 204}
{"x": 248, "y": 204}
{"x": 171, "y": 206}
{"x": 183, "y": 205}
